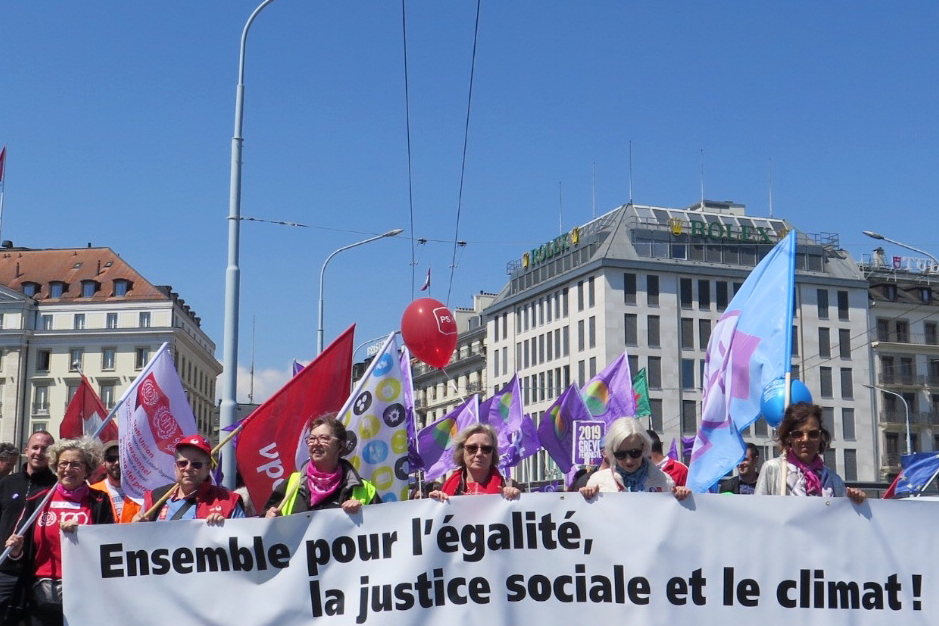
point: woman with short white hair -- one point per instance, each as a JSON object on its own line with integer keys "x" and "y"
{"x": 628, "y": 449}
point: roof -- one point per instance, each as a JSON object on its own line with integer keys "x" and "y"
{"x": 71, "y": 267}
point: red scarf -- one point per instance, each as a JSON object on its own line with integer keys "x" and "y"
{"x": 456, "y": 485}
{"x": 321, "y": 484}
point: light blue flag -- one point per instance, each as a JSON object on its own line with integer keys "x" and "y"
{"x": 749, "y": 348}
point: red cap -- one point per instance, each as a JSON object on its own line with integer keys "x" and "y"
{"x": 196, "y": 441}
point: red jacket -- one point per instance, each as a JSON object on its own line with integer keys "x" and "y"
{"x": 208, "y": 499}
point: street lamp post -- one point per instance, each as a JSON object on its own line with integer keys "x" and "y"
{"x": 228, "y": 408}
{"x": 906, "y": 407}
{"x": 874, "y": 235}
{"x": 319, "y": 328}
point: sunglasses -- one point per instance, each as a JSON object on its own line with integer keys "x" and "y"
{"x": 473, "y": 449}
{"x": 184, "y": 463}
{"x": 633, "y": 454}
{"x": 815, "y": 433}
{"x": 112, "y": 459}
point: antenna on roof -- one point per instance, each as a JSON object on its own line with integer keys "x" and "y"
{"x": 560, "y": 209}
{"x": 630, "y": 171}
{"x": 594, "y": 189}
{"x": 771, "y": 172}
{"x": 702, "y": 178}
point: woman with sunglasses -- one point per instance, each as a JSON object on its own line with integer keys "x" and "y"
{"x": 328, "y": 480}
{"x": 475, "y": 452}
{"x": 628, "y": 448}
{"x": 73, "y": 503}
{"x": 193, "y": 496}
{"x": 799, "y": 470}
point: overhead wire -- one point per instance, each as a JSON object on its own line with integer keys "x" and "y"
{"x": 407, "y": 116}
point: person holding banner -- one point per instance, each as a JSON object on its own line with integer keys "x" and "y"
{"x": 799, "y": 469}
{"x": 192, "y": 496}
{"x": 628, "y": 449}
{"x": 72, "y": 503}
{"x": 475, "y": 450}
{"x": 328, "y": 481}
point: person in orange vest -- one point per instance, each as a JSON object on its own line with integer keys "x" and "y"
{"x": 123, "y": 507}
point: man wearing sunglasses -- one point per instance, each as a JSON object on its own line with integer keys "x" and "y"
{"x": 124, "y": 508}
{"x": 193, "y": 494}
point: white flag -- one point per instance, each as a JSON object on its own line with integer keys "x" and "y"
{"x": 153, "y": 416}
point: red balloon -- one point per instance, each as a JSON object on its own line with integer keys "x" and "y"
{"x": 429, "y": 331}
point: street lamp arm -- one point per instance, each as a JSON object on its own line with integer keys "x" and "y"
{"x": 874, "y": 235}
{"x": 906, "y": 407}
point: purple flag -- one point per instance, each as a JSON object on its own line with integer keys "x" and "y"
{"x": 673, "y": 451}
{"x": 525, "y": 443}
{"x": 297, "y": 367}
{"x": 687, "y": 445}
{"x": 503, "y": 411}
{"x": 556, "y": 430}
{"x": 749, "y": 348}
{"x": 434, "y": 442}
{"x": 414, "y": 459}
{"x": 610, "y": 395}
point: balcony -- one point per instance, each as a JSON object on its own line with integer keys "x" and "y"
{"x": 928, "y": 418}
{"x": 891, "y": 459}
{"x": 896, "y": 418}
{"x": 474, "y": 387}
{"x": 898, "y": 378}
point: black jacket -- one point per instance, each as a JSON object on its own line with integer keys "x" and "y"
{"x": 15, "y": 490}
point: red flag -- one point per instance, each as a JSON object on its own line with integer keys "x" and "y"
{"x": 267, "y": 445}
{"x": 892, "y": 489}
{"x": 84, "y": 415}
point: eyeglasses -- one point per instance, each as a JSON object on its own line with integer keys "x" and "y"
{"x": 70, "y": 465}
{"x": 323, "y": 440}
{"x": 112, "y": 459}
{"x": 815, "y": 433}
{"x": 473, "y": 449}
{"x": 184, "y": 463}
{"x": 633, "y": 454}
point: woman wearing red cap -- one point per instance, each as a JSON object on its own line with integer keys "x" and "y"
{"x": 193, "y": 496}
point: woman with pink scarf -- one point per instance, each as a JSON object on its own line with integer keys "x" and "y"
{"x": 327, "y": 481}
{"x": 799, "y": 469}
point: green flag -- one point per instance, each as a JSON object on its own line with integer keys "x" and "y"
{"x": 641, "y": 387}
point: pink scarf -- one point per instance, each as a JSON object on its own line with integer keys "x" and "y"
{"x": 321, "y": 484}
{"x": 811, "y": 471}
{"x": 75, "y": 495}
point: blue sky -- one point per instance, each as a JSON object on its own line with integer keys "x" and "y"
{"x": 118, "y": 118}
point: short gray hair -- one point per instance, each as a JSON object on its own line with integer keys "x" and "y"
{"x": 91, "y": 451}
{"x": 468, "y": 432}
{"x": 622, "y": 429}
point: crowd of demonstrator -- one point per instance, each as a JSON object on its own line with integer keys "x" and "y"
{"x": 60, "y": 479}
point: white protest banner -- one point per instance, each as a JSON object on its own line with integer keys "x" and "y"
{"x": 547, "y": 559}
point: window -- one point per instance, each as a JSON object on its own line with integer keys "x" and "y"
{"x": 824, "y": 381}
{"x": 883, "y": 329}
{"x": 721, "y": 289}
{"x": 822, "y": 304}
{"x": 847, "y": 383}
{"x": 850, "y": 464}
{"x": 931, "y": 335}
{"x": 592, "y": 368}
{"x": 30, "y": 289}
{"x": 567, "y": 340}
{"x": 687, "y": 374}
{"x": 580, "y": 295}
{"x": 629, "y": 288}
{"x": 591, "y": 296}
{"x": 89, "y": 288}
{"x": 828, "y": 420}
{"x": 824, "y": 342}
{"x": 56, "y": 289}
{"x": 689, "y": 424}
{"x": 653, "y": 331}
{"x": 145, "y": 320}
{"x": 847, "y": 424}
{"x": 652, "y": 289}
{"x": 141, "y": 357}
{"x": 843, "y": 310}
{"x": 42, "y": 360}
{"x": 580, "y": 335}
{"x": 685, "y": 293}
{"x": 79, "y": 321}
{"x": 654, "y": 372}
{"x": 592, "y": 332}
{"x": 75, "y": 357}
{"x": 581, "y": 373}
{"x": 704, "y": 295}
{"x": 1, "y": 320}
{"x": 903, "y": 331}
{"x": 632, "y": 329}
{"x": 655, "y": 407}
{"x": 112, "y": 320}
{"x": 525, "y": 354}
{"x": 795, "y": 341}
{"x": 108, "y": 395}
{"x": 46, "y": 322}
{"x": 704, "y": 333}
{"x": 108, "y": 354}
{"x": 687, "y": 333}
{"x": 844, "y": 343}
{"x": 41, "y": 399}
{"x": 121, "y": 287}
{"x": 564, "y": 303}
{"x": 633, "y": 361}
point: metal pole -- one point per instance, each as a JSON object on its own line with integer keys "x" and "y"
{"x": 906, "y": 406}
{"x": 874, "y": 235}
{"x": 228, "y": 408}
{"x": 319, "y": 327}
